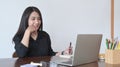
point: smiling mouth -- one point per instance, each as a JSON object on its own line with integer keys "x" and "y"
{"x": 36, "y": 27}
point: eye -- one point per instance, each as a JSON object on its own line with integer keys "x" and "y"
{"x": 38, "y": 18}
{"x": 33, "y": 18}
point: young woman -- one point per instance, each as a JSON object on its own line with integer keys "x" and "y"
{"x": 30, "y": 39}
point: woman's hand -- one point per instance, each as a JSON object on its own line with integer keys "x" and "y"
{"x": 68, "y": 51}
{"x": 31, "y": 28}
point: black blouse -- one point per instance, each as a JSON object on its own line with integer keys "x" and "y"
{"x": 39, "y": 47}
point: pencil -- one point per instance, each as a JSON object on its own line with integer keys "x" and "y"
{"x": 107, "y": 44}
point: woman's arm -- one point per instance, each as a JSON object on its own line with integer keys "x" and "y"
{"x": 27, "y": 34}
{"x": 22, "y": 44}
{"x": 20, "y": 49}
{"x": 25, "y": 39}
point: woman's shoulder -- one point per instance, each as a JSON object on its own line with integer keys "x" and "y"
{"x": 43, "y": 33}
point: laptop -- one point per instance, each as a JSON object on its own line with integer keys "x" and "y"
{"x": 86, "y": 50}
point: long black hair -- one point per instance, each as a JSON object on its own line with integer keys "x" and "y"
{"x": 24, "y": 20}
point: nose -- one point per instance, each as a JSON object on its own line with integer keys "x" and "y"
{"x": 37, "y": 21}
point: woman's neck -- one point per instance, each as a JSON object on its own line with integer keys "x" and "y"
{"x": 34, "y": 35}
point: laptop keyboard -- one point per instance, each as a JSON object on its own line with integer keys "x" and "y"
{"x": 67, "y": 62}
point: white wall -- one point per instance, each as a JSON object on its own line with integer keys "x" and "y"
{"x": 62, "y": 19}
{"x": 117, "y": 18}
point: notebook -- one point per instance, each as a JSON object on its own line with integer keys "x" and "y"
{"x": 86, "y": 50}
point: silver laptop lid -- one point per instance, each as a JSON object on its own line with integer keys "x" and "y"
{"x": 87, "y": 48}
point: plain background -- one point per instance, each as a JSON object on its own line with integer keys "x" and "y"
{"x": 62, "y": 19}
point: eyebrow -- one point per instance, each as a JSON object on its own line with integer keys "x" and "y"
{"x": 34, "y": 17}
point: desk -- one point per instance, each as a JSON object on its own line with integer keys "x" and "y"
{"x": 16, "y": 62}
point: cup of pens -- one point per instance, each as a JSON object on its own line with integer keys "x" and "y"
{"x": 112, "y": 53}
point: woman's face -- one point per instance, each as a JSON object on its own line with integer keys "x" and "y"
{"x": 34, "y": 20}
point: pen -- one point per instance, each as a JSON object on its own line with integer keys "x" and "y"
{"x": 70, "y": 48}
{"x": 111, "y": 45}
{"x": 118, "y": 46}
{"x": 107, "y": 45}
{"x": 114, "y": 45}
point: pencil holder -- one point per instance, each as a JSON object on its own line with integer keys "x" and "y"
{"x": 112, "y": 56}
